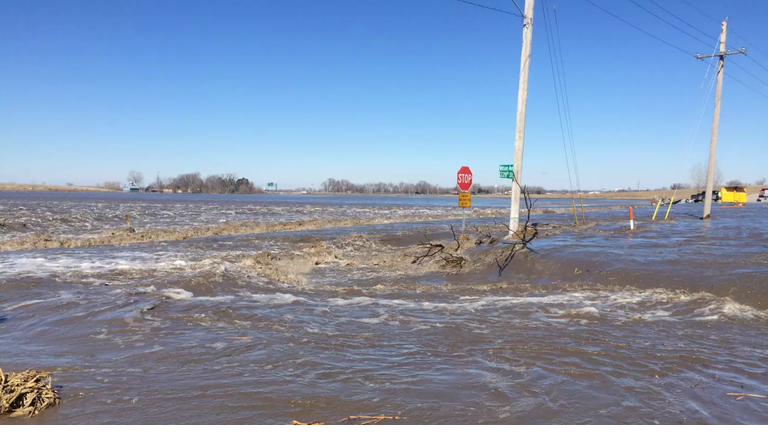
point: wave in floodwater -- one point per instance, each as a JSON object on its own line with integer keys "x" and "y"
{"x": 131, "y": 354}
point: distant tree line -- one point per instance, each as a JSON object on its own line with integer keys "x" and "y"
{"x": 213, "y": 184}
{"x": 227, "y": 183}
{"x": 332, "y": 185}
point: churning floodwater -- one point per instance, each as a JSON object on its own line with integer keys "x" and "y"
{"x": 601, "y": 325}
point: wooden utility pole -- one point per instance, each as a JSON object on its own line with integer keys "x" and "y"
{"x": 716, "y": 118}
{"x": 522, "y": 101}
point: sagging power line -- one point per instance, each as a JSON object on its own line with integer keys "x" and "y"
{"x": 557, "y": 78}
{"x": 569, "y": 120}
{"x": 490, "y": 8}
{"x": 637, "y": 28}
{"x": 682, "y": 20}
{"x": 669, "y": 23}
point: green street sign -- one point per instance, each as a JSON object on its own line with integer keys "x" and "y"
{"x": 270, "y": 184}
{"x": 505, "y": 172}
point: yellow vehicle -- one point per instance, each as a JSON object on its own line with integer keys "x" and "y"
{"x": 735, "y": 194}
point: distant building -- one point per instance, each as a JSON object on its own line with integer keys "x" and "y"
{"x": 131, "y": 187}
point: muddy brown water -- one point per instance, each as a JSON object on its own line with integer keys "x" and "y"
{"x": 601, "y": 326}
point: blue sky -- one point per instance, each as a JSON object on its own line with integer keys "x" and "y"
{"x": 295, "y": 91}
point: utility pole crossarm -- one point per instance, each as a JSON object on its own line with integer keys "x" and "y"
{"x": 725, "y": 53}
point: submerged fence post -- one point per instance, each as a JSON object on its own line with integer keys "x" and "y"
{"x": 658, "y": 204}
{"x": 581, "y": 200}
{"x": 668, "y": 209}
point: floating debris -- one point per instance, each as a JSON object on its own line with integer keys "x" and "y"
{"x": 26, "y": 393}
{"x": 356, "y": 420}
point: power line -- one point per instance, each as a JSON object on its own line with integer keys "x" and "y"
{"x": 518, "y": 8}
{"x": 730, "y": 29}
{"x": 557, "y": 95}
{"x": 749, "y": 73}
{"x": 674, "y": 46}
{"x": 490, "y": 8}
{"x": 695, "y": 132}
{"x": 745, "y": 85}
{"x": 681, "y": 20}
{"x": 749, "y": 43}
{"x": 669, "y": 23}
{"x": 756, "y": 62}
{"x": 638, "y": 28}
{"x": 701, "y": 11}
{"x": 564, "y": 87}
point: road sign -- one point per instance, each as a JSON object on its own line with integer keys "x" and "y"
{"x": 465, "y": 199}
{"x": 464, "y": 178}
{"x": 506, "y": 172}
{"x": 270, "y": 184}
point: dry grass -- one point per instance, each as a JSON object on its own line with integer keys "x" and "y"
{"x": 19, "y": 187}
{"x": 643, "y": 195}
{"x": 25, "y": 394}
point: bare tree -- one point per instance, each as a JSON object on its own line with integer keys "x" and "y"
{"x": 760, "y": 181}
{"x": 699, "y": 176}
{"x": 158, "y": 185}
{"x": 135, "y": 177}
{"x": 734, "y": 183}
{"x": 189, "y": 183}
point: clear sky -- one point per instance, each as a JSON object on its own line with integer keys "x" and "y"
{"x": 295, "y": 91}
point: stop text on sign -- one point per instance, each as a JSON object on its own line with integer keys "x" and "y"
{"x": 464, "y": 178}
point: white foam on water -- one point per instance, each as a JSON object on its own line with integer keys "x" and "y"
{"x": 377, "y": 320}
{"x": 628, "y": 305}
{"x": 729, "y": 308}
{"x": 177, "y": 294}
{"x": 148, "y": 289}
{"x": 277, "y": 298}
{"x": 215, "y": 299}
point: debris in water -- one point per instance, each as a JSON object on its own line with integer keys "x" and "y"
{"x": 741, "y": 395}
{"x": 26, "y": 393}
{"x": 367, "y": 420}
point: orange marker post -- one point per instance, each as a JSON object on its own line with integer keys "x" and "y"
{"x": 631, "y": 219}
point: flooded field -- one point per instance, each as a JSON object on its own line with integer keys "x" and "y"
{"x": 600, "y": 325}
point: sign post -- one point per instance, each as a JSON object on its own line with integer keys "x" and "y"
{"x": 464, "y": 182}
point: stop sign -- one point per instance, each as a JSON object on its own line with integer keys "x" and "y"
{"x": 464, "y": 178}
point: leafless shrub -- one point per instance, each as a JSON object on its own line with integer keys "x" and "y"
{"x": 521, "y": 238}
{"x": 440, "y": 251}
{"x": 699, "y": 176}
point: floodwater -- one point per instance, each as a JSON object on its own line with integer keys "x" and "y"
{"x": 83, "y": 214}
{"x": 601, "y": 325}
